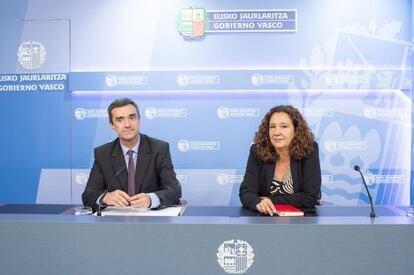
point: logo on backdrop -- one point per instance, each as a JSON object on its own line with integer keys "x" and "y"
{"x": 224, "y": 112}
{"x": 126, "y": 80}
{"x": 351, "y": 145}
{"x": 272, "y": 79}
{"x": 33, "y": 82}
{"x": 82, "y": 113}
{"x": 235, "y": 256}
{"x": 190, "y": 145}
{"x": 182, "y": 178}
{"x": 31, "y": 55}
{"x": 327, "y": 179}
{"x": 317, "y": 112}
{"x": 194, "y": 22}
{"x": 226, "y": 179}
{"x": 153, "y": 113}
{"x": 81, "y": 178}
{"x": 204, "y": 79}
{"x": 111, "y": 80}
{"x": 334, "y": 80}
{"x": 386, "y": 113}
{"x": 372, "y": 179}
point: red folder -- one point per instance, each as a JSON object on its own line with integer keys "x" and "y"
{"x": 287, "y": 210}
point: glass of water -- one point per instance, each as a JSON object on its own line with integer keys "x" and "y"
{"x": 409, "y": 212}
{"x": 83, "y": 210}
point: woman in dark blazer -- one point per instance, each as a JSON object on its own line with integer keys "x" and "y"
{"x": 283, "y": 165}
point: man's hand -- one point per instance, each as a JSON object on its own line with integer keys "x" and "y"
{"x": 116, "y": 198}
{"x": 140, "y": 200}
{"x": 266, "y": 207}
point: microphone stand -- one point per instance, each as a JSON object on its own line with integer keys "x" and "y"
{"x": 372, "y": 215}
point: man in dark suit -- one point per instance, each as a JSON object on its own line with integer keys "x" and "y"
{"x": 134, "y": 169}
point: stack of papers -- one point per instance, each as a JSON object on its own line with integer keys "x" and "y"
{"x": 131, "y": 211}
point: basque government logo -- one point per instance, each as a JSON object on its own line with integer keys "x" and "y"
{"x": 111, "y": 80}
{"x": 191, "y": 23}
{"x": 31, "y": 55}
{"x": 81, "y": 178}
{"x": 235, "y": 256}
{"x": 80, "y": 113}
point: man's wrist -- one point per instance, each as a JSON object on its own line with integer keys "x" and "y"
{"x": 154, "y": 200}
{"x": 101, "y": 200}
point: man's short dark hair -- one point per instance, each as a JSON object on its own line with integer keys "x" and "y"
{"x": 121, "y": 102}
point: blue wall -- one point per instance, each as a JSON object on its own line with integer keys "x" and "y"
{"x": 346, "y": 65}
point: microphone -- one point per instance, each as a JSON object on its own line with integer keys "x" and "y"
{"x": 99, "y": 212}
{"x": 356, "y": 168}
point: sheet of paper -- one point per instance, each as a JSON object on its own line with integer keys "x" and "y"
{"x": 130, "y": 211}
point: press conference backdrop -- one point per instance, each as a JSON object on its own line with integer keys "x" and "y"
{"x": 204, "y": 73}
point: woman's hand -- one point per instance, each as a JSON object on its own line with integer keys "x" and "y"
{"x": 266, "y": 207}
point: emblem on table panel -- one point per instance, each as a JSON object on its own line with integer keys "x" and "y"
{"x": 31, "y": 55}
{"x": 235, "y": 256}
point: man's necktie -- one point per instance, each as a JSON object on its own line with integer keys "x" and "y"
{"x": 131, "y": 173}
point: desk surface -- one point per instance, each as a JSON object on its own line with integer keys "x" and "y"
{"x": 217, "y": 211}
{"x": 320, "y": 211}
{"x": 36, "y": 208}
{"x": 215, "y": 215}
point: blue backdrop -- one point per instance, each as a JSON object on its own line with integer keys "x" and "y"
{"x": 204, "y": 73}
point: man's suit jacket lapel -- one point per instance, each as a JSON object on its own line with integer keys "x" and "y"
{"x": 118, "y": 164}
{"x": 143, "y": 160}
